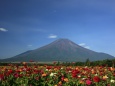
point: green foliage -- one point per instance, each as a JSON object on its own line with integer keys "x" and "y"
{"x": 106, "y": 62}
{"x": 87, "y": 63}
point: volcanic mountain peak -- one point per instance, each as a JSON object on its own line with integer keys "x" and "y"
{"x": 60, "y": 50}
{"x": 61, "y": 45}
{"x": 63, "y": 42}
{"x": 68, "y": 44}
{"x": 59, "y": 41}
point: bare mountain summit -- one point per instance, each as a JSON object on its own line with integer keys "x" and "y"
{"x": 60, "y": 50}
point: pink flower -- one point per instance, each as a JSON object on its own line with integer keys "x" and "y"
{"x": 88, "y": 82}
{"x": 16, "y": 75}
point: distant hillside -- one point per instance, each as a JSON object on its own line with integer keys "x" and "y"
{"x": 60, "y": 50}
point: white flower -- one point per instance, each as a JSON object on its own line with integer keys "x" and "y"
{"x": 83, "y": 78}
{"x": 62, "y": 68}
{"x": 79, "y": 76}
{"x": 46, "y": 69}
{"x": 53, "y": 74}
{"x": 69, "y": 71}
{"x": 112, "y": 81}
{"x": 96, "y": 74}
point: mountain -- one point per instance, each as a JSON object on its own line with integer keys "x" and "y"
{"x": 60, "y": 50}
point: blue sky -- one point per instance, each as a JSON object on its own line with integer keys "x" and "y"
{"x": 30, "y": 24}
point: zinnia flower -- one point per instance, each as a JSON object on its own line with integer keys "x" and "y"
{"x": 74, "y": 73}
{"x": 105, "y": 77}
{"x": 96, "y": 79}
{"x": 60, "y": 83}
{"x": 43, "y": 74}
{"x": 112, "y": 81}
{"x": 81, "y": 81}
{"x": 16, "y": 75}
{"x": 66, "y": 80}
{"x": 88, "y": 82}
{"x": 1, "y": 77}
{"x": 53, "y": 74}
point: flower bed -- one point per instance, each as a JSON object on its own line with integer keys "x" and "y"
{"x": 56, "y": 76}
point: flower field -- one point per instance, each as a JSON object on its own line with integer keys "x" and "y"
{"x": 45, "y": 75}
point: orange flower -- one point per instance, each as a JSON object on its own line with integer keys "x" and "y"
{"x": 111, "y": 68}
{"x": 93, "y": 71}
{"x": 20, "y": 70}
{"x": 44, "y": 74}
{"x": 66, "y": 79}
{"x": 60, "y": 83}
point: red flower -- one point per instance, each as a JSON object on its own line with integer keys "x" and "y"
{"x": 16, "y": 75}
{"x": 74, "y": 73}
{"x": 88, "y": 82}
{"x": 62, "y": 78}
{"x": 1, "y": 77}
{"x": 96, "y": 79}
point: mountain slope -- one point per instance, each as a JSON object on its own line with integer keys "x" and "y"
{"x": 60, "y": 50}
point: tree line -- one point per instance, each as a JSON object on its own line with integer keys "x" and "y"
{"x": 106, "y": 62}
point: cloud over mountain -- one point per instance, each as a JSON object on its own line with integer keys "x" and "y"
{"x": 3, "y": 29}
{"x": 84, "y": 45}
{"x": 52, "y": 36}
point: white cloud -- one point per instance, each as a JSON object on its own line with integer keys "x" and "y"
{"x": 3, "y": 29}
{"x": 52, "y": 36}
{"x": 84, "y": 45}
{"x": 87, "y": 47}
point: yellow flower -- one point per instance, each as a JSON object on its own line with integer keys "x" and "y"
{"x": 105, "y": 77}
{"x": 81, "y": 82}
{"x": 60, "y": 82}
{"x": 66, "y": 79}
